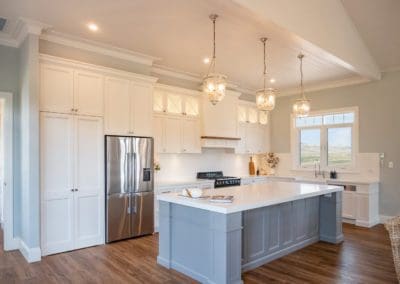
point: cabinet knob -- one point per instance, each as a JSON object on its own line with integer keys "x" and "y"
{"x": 72, "y": 189}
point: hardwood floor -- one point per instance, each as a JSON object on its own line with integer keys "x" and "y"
{"x": 364, "y": 257}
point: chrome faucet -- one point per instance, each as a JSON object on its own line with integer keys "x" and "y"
{"x": 319, "y": 172}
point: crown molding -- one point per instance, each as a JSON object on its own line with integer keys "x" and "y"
{"x": 354, "y": 80}
{"x": 139, "y": 78}
{"x": 97, "y": 47}
{"x": 22, "y": 28}
{"x": 179, "y": 90}
{"x": 175, "y": 73}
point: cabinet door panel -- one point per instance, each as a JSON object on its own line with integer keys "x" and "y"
{"x": 172, "y": 135}
{"x": 117, "y": 106}
{"x": 190, "y": 136}
{"x": 174, "y": 103}
{"x": 56, "y": 182}
{"x": 158, "y": 101}
{"x": 252, "y": 115}
{"x": 89, "y": 197}
{"x": 89, "y": 93}
{"x": 142, "y": 110}
{"x": 191, "y": 106}
{"x": 252, "y": 144}
{"x": 349, "y": 205}
{"x": 241, "y": 147}
{"x": 56, "y": 89}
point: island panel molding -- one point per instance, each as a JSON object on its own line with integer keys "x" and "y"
{"x": 214, "y": 246}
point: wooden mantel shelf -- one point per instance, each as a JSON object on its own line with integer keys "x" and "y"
{"x": 220, "y": 138}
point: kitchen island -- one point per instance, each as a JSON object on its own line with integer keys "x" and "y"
{"x": 214, "y": 242}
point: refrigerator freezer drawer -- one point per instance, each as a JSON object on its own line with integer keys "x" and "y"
{"x": 118, "y": 217}
{"x": 142, "y": 214}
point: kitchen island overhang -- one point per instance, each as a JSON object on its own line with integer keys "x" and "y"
{"x": 214, "y": 243}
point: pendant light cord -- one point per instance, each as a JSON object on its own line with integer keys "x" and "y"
{"x": 301, "y": 75}
{"x": 213, "y": 18}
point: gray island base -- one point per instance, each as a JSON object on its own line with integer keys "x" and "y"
{"x": 214, "y": 247}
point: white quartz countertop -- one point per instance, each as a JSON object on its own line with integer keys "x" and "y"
{"x": 253, "y": 196}
{"x": 181, "y": 182}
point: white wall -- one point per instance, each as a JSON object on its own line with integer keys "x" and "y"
{"x": 175, "y": 167}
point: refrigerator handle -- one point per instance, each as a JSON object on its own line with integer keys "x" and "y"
{"x": 135, "y": 170}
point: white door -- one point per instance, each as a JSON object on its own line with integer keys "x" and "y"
{"x": 141, "y": 116}
{"x": 88, "y": 93}
{"x": 56, "y": 89}
{"x": 190, "y": 136}
{"x": 158, "y": 132}
{"x": 117, "y": 106}
{"x": 56, "y": 168}
{"x": 89, "y": 186}
{"x": 172, "y": 134}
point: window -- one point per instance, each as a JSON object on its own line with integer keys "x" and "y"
{"x": 328, "y": 138}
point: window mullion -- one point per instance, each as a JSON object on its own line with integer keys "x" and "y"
{"x": 324, "y": 147}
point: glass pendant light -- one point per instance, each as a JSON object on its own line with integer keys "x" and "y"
{"x": 265, "y": 98}
{"x": 301, "y": 107}
{"x": 214, "y": 84}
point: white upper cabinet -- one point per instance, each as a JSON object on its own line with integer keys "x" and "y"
{"x": 172, "y": 132}
{"x": 128, "y": 107}
{"x": 263, "y": 117}
{"x": 176, "y": 101}
{"x": 191, "y": 106}
{"x": 141, "y": 114}
{"x": 69, "y": 90}
{"x": 56, "y": 88}
{"x": 117, "y": 106}
{"x": 191, "y": 136}
{"x": 176, "y": 135}
{"x": 253, "y": 129}
{"x": 88, "y": 93}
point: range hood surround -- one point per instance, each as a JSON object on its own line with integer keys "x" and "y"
{"x": 219, "y": 122}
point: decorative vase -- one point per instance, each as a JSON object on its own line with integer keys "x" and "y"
{"x": 252, "y": 168}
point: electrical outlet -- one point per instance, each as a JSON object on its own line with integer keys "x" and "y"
{"x": 390, "y": 165}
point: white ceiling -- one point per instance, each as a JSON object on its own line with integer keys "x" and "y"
{"x": 378, "y": 22}
{"x": 180, "y": 33}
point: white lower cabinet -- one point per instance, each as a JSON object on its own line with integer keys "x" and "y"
{"x": 72, "y": 198}
{"x": 176, "y": 135}
{"x": 349, "y": 205}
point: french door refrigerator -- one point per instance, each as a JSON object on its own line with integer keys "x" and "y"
{"x": 129, "y": 187}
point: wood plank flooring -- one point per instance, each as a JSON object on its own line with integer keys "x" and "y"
{"x": 364, "y": 257}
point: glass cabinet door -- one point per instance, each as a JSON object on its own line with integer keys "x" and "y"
{"x": 252, "y": 114}
{"x": 191, "y": 106}
{"x": 242, "y": 114}
{"x": 158, "y": 101}
{"x": 263, "y": 117}
{"x": 174, "y": 104}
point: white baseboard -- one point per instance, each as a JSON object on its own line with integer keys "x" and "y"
{"x": 384, "y": 218}
{"x": 30, "y": 254}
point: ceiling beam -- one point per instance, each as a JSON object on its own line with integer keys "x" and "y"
{"x": 321, "y": 26}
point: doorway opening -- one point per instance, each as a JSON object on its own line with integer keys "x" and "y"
{"x": 6, "y": 172}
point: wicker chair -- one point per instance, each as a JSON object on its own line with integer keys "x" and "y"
{"x": 393, "y": 227}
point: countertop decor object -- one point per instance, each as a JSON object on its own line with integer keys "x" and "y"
{"x": 252, "y": 167}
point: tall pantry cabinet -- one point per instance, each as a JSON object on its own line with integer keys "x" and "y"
{"x": 76, "y": 102}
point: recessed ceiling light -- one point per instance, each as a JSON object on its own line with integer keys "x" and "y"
{"x": 206, "y": 60}
{"x": 93, "y": 27}
{"x": 272, "y": 80}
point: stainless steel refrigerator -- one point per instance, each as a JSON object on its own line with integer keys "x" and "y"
{"x": 129, "y": 187}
